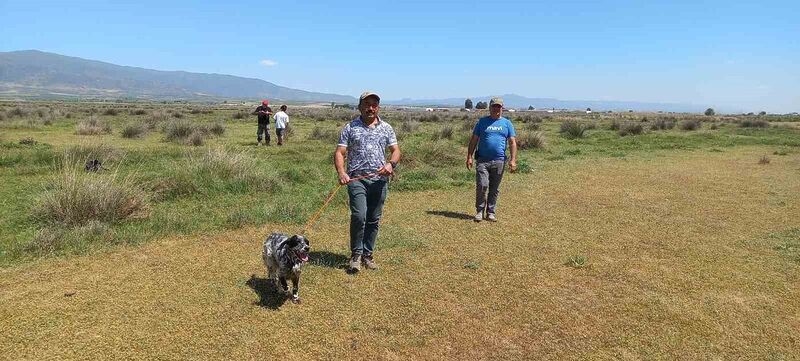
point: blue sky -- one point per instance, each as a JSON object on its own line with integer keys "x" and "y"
{"x": 730, "y": 55}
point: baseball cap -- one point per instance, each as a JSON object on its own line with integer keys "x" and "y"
{"x": 265, "y": 102}
{"x": 496, "y": 100}
{"x": 368, "y": 94}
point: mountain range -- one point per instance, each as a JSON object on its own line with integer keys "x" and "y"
{"x": 37, "y": 74}
{"x": 33, "y": 73}
{"x": 521, "y": 102}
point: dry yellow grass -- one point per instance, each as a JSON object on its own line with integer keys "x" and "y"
{"x": 679, "y": 267}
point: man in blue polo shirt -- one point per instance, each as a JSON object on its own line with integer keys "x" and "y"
{"x": 491, "y": 135}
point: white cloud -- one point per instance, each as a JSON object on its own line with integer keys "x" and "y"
{"x": 267, "y": 62}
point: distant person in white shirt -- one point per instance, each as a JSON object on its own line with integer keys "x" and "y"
{"x": 281, "y": 123}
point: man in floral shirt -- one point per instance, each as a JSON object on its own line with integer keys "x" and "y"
{"x": 363, "y": 142}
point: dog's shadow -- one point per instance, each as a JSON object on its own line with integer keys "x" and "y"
{"x": 450, "y": 214}
{"x": 270, "y": 296}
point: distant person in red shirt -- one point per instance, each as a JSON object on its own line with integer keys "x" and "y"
{"x": 263, "y": 112}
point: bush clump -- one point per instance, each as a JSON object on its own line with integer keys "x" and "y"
{"x": 572, "y": 129}
{"x": 531, "y": 140}
{"x": 134, "y": 130}
{"x": 324, "y": 134}
{"x": 754, "y": 123}
{"x": 662, "y": 124}
{"x": 76, "y": 197}
{"x": 93, "y": 126}
{"x": 630, "y": 128}
{"x": 691, "y": 124}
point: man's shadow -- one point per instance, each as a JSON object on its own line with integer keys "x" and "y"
{"x": 270, "y": 296}
{"x": 327, "y": 259}
{"x": 450, "y": 214}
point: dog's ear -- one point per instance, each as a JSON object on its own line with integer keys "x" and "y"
{"x": 293, "y": 241}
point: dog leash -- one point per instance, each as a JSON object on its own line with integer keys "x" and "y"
{"x": 331, "y": 194}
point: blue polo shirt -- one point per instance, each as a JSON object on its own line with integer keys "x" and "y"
{"x": 492, "y": 137}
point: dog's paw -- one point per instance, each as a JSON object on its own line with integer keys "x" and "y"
{"x": 296, "y": 300}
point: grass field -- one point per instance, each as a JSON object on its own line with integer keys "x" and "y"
{"x": 660, "y": 244}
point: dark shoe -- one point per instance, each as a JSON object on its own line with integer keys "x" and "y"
{"x": 355, "y": 263}
{"x": 369, "y": 263}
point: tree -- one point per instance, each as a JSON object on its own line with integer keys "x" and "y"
{"x": 481, "y": 105}
{"x": 468, "y": 103}
{"x": 709, "y": 111}
{"x": 762, "y": 113}
{"x": 530, "y": 107}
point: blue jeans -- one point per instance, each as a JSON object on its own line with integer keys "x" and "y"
{"x": 366, "y": 206}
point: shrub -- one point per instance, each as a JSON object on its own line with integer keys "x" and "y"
{"x": 196, "y": 138}
{"x": 225, "y": 164}
{"x": 614, "y": 125}
{"x": 77, "y": 197}
{"x": 93, "y": 126}
{"x": 531, "y": 126}
{"x": 409, "y": 126}
{"x": 438, "y": 152}
{"x": 288, "y": 132}
{"x": 84, "y": 152}
{"x": 691, "y": 124}
{"x": 572, "y": 129}
{"x": 709, "y": 112}
{"x": 138, "y": 112}
{"x": 51, "y": 239}
{"x": 754, "y": 123}
{"x": 324, "y": 134}
{"x": 179, "y": 130}
{"x": 240, "y": 115}
{"x": 662, "y": 124}
{"x": 468, "y": 125}
{"x": 110, "y": 111}
{"x": 630, "y": 129}
{"x": 177, "y": 115}
{"x": 531, "y": 140}
{"x": 18, "y": 112}
{"x": 763, "y": 160}
{"x": 217, "y": 128}
{"x": 134, "y": 130}
{"x": 430, "y": 118}
{"x": 445, "y": 132}
{"x": 156, "y": 118}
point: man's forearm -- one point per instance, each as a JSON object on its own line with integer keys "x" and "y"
{"x": 471, "y": 148}
{"x": 394, "y": 157}
{"x": 338, "y": 162}
{"x": 513, "y": 150}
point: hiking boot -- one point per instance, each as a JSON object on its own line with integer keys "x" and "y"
{"x": 355, "y": 263}
{"x": 478, "y": 217}
{"x": 369, "y": 263}
{"x": 491, "y": 217}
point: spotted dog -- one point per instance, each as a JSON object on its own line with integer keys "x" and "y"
{"x": 284, "y": 258}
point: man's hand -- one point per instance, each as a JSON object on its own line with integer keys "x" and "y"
{"x": 513, "y": 165}
{"x": 344, "y": 178}
{"x": 387, "y": 169}
{"x": 469, "y": 163}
